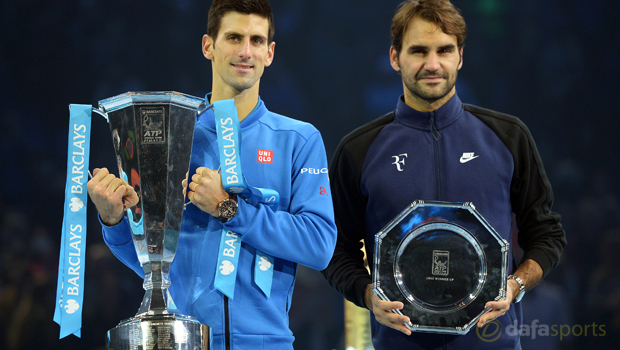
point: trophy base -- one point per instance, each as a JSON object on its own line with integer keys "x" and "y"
{"x": 161, "y": 332}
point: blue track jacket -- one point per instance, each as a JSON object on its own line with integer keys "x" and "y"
{"x": 302, "y": 231}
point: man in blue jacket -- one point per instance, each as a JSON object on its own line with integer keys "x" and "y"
{"x": 277, "y": 153}
{"x": 434, "y": 147}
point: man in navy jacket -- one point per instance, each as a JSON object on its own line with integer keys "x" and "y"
{"x": 433, "y": 147}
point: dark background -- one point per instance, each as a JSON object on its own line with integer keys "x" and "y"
{"x": 553, "y": 63}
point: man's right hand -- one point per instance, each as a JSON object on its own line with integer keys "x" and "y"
{"x": 383, "y": 311}
{"x": 107, "y": 192}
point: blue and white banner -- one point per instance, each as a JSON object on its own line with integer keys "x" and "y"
{"x": 263, "y": 263}
{"x": 233, "y": 181}
{"x": 227, "y": 262}
{"x": 70, "y": 288}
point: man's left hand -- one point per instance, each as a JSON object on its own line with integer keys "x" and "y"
{"x": 500, "y": 307}
{"x": 206, "y": 190}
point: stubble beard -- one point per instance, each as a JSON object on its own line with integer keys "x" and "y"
{"x": 429, "y": 94}
{"x": 242, "y": 82}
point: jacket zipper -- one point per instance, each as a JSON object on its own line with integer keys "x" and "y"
{"x": 226, "y": 324}
{"x": 436, "y": 137}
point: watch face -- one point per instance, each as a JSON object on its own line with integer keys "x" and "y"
{"x": 228, "y": 209}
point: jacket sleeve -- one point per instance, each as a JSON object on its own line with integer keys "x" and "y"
{"x": 346, "y": 272}
{"x": 306, "y": 232}
{"x": 540, "y": 233}
{"x": 118, "y": 239}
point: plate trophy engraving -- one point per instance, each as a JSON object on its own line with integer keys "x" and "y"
{"x": 445, "y": 261}
{"x": 152, "y": 133}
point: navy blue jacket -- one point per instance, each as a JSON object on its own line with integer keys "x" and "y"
{"x": 457, "y": 153}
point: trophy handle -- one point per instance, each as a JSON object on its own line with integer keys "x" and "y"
{"x": 203, "y": 108}
{"x": 101, "y": 113}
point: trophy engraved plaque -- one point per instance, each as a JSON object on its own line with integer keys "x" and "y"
{"x": 152, "y": 133}
{"x": 444, "y": 261}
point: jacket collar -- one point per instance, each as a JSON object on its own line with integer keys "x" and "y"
{"x": 444, "y": 115}
{"x": 207, "y": 118}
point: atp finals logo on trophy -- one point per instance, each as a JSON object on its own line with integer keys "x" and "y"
{"x": 153, "y": 125}
{"x": 440, "y": 262}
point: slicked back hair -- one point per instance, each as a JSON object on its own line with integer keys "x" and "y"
{"x": 441, "y": 12}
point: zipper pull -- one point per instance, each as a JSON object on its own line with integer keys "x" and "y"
{"x": 436, "y": 134}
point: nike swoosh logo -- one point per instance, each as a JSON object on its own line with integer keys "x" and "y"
{"x": 467, "y": 159}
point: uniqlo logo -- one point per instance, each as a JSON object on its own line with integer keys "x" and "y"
{"x": 264, "y": 156}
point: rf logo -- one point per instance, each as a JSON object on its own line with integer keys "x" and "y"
{"x": 399, "y": 161}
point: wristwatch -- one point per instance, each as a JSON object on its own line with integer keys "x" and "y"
{"x": 228, "y": 208}
{"x": 521, "y": 288}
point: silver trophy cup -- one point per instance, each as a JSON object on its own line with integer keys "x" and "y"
{"x": 152, "y": 134}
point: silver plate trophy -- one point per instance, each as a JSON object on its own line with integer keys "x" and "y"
{"x": 152, "y": 134}
{"x": 444, "y": 261}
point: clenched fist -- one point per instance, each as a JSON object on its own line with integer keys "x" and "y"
{"x": 108, "y": 192}
{"x": 206, "y": 190}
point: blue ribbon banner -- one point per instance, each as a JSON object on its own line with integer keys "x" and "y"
{"x": 233, "y": 181}
{"x": 70, "y": 289}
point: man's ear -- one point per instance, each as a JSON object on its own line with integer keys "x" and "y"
{"x": 207, "y": 47}
{"x": 461, "y": 59}
{"x": 394, "y": 59}
{"x": 270, "y": 54}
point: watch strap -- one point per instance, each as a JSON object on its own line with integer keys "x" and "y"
{"x": 521, "y": 288}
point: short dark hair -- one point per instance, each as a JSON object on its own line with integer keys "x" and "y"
{"x": 219, "y": 8}
{"x": 441, "y": 12}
